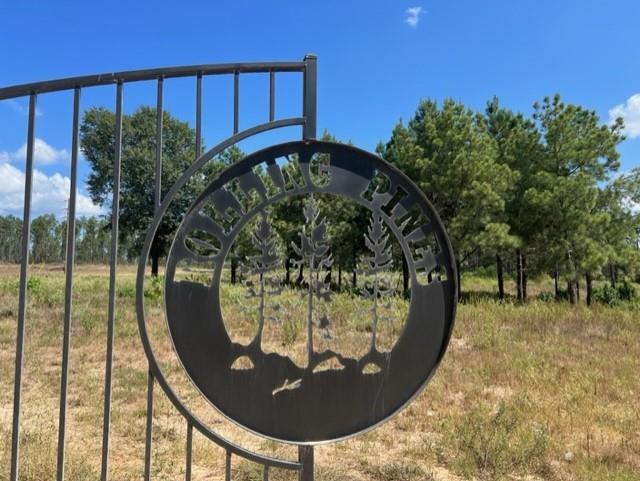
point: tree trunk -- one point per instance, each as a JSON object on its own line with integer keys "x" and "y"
{"x": 589, "y": 282}
{"x": 234, "y": 270}
{"x": 519, "y": 295}
{"x": 154, "y": 265}
{"x": 300, "y": 275}
{"x": 287, "y": 271}
{"x": 354, "y": 279}
{"x": 577, "y": 290}
{"x": 500, "y": 277}
{"x": 154, "y": 258}
{"x": 339, "y": 278}
{"x": 405, "y": 276}
{"x": 525, "y": 278}
{"x": 571, "y": 290}
{"x": 612, "y": 274}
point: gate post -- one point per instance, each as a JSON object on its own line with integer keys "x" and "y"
{"x": 305, "y": 457}
{"x": 309, "y": 100}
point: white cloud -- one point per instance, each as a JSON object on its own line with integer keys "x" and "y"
{"x": 16, "y": 106}
{"x": 413, "y": 16}
{"x": 630, "y": 112}
{"x": 43, "y": 154}
{"x": 50, "y": 194}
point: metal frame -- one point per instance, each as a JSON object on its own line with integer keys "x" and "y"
{"x": 307, "y": 67}
{"x": 334, "y": 404}
{"x": 154, "y": 74}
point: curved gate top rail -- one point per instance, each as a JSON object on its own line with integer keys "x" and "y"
{"x": 307, "y": 67}
{"x": 150, "y": 74}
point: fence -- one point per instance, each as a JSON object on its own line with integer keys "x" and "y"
{"x": 307, "y": 120}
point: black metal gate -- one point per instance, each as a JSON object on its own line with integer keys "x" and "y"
{"x": 307, "y": 120}
{"x": 274, "y": 396}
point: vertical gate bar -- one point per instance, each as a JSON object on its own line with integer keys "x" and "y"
{"x": 149, "y": 430}
{"x": 189, "y": 456}
{"x": 227, "y": 467}
{"x": 236, "y": 100}
{"x": 22, "y": 299}
{"x": 265, "y": 473}
{"x": 198, "y": 115}
{"x": 159, "y": 120}
{"x": 115, "y": 208}
{"x": 305, "y": 457}
{"x": 156, "y": 206}
{"x": 70, "y": 257}
{"x": 309, "y": 101}
{"x": 158, "y": 171}
{"x": 272, "y": 95}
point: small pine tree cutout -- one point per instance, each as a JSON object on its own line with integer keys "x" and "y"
{"x": 314, "y": 256}
{"x": 374, "y": 265}
{"x": 262, "y": 267}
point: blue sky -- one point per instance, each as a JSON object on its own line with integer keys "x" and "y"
{"x": 377, "y": 59}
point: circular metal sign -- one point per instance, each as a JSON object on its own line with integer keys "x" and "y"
{"x": 271, "y": 349}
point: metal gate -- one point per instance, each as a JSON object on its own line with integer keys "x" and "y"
{"x": 307, "y": 120}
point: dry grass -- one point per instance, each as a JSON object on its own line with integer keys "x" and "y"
{"x": 542, "y": 391}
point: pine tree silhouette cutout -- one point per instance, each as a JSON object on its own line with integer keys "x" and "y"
{"x": 262, "y": 266}
{"x": 381, "y": 259}
{"x": 313, "y": 254}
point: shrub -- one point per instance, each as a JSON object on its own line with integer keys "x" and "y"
{"x": 607, "y": 295}
{"x": 546, "y": 296}
{"x": 483, "y": 271}
{"x": 495, "y": 444}
{"x": 203, "y": 278}
{"x": 34, "y": 284}
{"x": 153, "y": 288}
{"x": 125, "y": 289}
{"x": 611, "y": 296}
{"x": 626, "y": 291}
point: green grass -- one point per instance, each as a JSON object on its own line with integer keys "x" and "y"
{"x": 544, "y": 390}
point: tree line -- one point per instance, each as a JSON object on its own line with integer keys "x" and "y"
{"x": 49, "y": 237}
{"x": 542, "y": 194}
{"x": 523, "y": 195}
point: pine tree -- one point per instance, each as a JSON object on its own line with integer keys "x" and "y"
{"x": 449, "y": 153}
{"x": 262, "y": 265}
{"x": 380, "y": 260}
{"x": 313, "y": 252}
{"x": 578, "y": 153}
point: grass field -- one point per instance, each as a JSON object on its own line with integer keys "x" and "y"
{"x": 540, "y": 391}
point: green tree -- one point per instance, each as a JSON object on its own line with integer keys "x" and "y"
{"x": 286, "y": 218}
{"x": 403, "y": 151}
{"x": 242, "y": 244}
{"x": 92, "y": 245}
{"x": 10, "y": 237}
{"x": 346, "y": 220}
{"x": 619, "y": 201}
{"x": 97, "y": 135}
{"x": 578, "y": 153}
{"x": 450, "y": 154}
{"x": 45, "y": 239}
{"x": 571, "y": 230}
{"x": 518, "y": 146}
